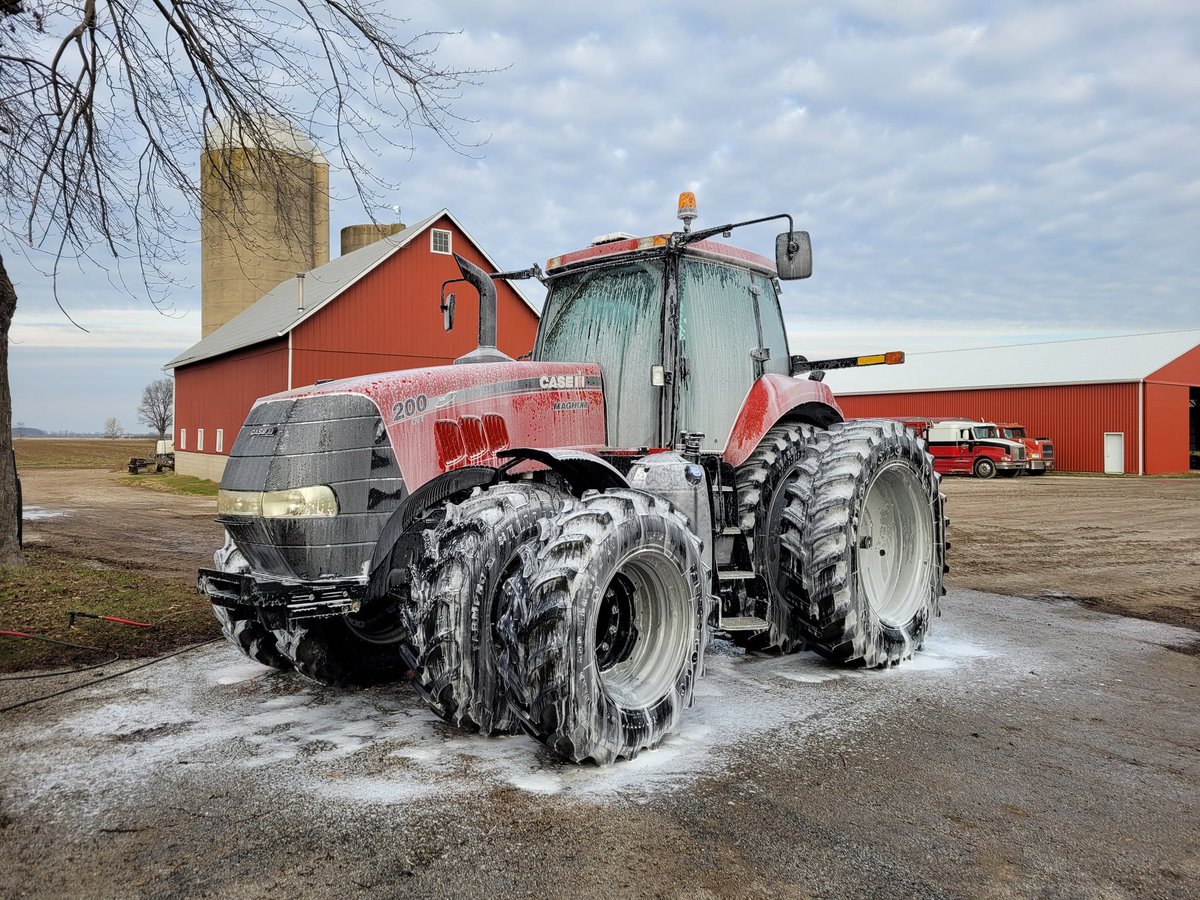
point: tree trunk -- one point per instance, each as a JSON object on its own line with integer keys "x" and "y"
{"x": 10, "y": 509}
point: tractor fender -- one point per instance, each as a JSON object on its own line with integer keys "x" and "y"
{"x": 413, "y": 508}
{"x": 582, "y": 470}
{"x": 773, "y": 399}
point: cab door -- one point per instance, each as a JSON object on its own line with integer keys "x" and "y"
{"x": 964, "y": 451}
{"x": 730, "y": 334}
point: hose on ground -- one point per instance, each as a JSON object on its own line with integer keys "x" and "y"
{"x": 94, "y": 681}
{"x": 37, "y": 637}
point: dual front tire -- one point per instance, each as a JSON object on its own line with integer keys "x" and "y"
{"x": 344, "y": 651}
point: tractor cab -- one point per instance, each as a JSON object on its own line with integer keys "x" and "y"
{"x": 681, "y": 326}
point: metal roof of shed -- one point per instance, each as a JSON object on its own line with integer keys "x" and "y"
{"x": 1103, "y": 360}
{"x": 275, "y": 313}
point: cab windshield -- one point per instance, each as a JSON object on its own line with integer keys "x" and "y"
{"x": 1014, "y": 433}
{"x": 985, "y": 431}
{"x": 611, "y": 315}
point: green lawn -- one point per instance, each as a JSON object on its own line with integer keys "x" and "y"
{"x": 37, "y": 598}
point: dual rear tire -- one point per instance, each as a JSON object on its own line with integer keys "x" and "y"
{"x": 846, "y": 531}
{"x": 867, "y": 556}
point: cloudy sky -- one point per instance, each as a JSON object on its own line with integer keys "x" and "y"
{"x": 971, "y": 173}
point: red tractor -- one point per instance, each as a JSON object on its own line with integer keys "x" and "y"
{"x": 549, "y": 544}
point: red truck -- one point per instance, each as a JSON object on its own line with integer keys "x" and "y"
{"x": 968, "y": 447}
{"x": 1039, "y": 452}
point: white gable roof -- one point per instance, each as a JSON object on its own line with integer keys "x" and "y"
{"x": 275, "y": 313}
{"x": 1089, "y": 361}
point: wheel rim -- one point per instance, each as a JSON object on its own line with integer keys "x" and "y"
{"x": 647, "y": 636}
{"x": 895, "y": 545}
{"x": 380, "y": 624}
{"x": 779, "y": 502}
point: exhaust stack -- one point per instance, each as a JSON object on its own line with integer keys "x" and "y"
{"x": 486, "y": 351}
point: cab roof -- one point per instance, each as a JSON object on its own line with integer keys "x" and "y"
{"x": 632, "y": 246}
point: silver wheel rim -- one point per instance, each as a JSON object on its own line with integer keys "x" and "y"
{"x": 895, "y": 545}
{"x": 661, "y": 601}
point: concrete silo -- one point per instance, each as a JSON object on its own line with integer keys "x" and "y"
{"x": 355, "y": 237}
{"x": 265, "y": 215}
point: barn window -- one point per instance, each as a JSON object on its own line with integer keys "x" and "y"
{"x": 182, "y": 438}
{"x": 199, "y": 438}
{"x": 220, "y": 440}
{"x": 439, "y": 241}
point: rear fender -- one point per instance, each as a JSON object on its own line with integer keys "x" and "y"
{"x": 774, "y": 399}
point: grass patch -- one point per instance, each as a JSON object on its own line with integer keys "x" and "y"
{"x": 173, "y": 484}
{"x": 79, "y": 453}
{"x": 37, "y": 598}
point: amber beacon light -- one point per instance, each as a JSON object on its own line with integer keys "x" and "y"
{"x": 687, "y": 209}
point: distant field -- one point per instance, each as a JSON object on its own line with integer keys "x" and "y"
{"x": 79, "y": 453}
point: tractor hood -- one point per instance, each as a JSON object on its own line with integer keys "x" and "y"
{"x": 374, "y": 439}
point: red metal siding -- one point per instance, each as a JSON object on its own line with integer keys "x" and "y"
{"x": 390, "y": 318}
{"x": 1182, "y": 370}
{"x": 1166, "y": 429}
{"x": 217, "y": 393}
{"x": 1074, "y": 416}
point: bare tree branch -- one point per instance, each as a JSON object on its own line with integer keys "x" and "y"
{"x": 106, "y": 104}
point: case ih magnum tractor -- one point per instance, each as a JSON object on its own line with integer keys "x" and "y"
{"x": 549, "y": 544}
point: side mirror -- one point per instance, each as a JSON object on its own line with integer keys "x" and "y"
{"x": 793, "y": 255}
{"x": 447, "y": 308}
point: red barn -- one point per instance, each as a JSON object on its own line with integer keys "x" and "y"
{"x": 1115, "y": 404}
{"x": 372, "y": 310}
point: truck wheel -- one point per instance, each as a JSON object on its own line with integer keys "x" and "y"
{"x": 458, "y": 600}
{"x": 872, "y": 547}
{"x": 347, "y": 651}
{"x": 775, "y": 478}
{"x": 240, "y": 626}
{"x": 602, "y": 650}
{"x": 984, "y": 468}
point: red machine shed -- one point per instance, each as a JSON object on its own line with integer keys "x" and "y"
{"x": 1116, "y": 404}
{"x": 372, "y": 310}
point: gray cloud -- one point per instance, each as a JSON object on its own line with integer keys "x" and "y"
{"x": 964, "y": 168}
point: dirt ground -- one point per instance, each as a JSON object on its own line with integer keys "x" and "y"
{"x": 87, "y": 514}
{"x": 1124, "y": 545}
{"x": 1034, "y": 747}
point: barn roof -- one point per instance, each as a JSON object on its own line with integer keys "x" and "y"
{"x": 275, "y": 314}
{"x": 1101, "y": 360}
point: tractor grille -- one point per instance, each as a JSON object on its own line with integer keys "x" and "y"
{"x": 336, "y": 440}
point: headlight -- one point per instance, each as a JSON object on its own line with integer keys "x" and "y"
{"x": 293, "y": 503}
{"x": 239, "y": 503}
{"x": 299, "y": 503}
{"x": 1005, "y": 457}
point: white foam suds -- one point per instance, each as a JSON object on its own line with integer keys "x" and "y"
{"x": 382, "y": 746}
{"x": 37, "y": 513}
